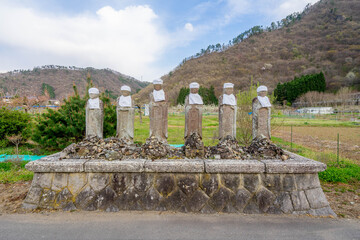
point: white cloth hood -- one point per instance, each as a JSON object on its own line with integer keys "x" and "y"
{"x": 125, "y": 88}
{"x": 194, "y": 85}
{"x": 264, "y": 101}
{"x": 195, "y": 98}
{"x": 229, "y": 99}
{"x": 228, "y": 85}
{"x": 261, "y": 88}
{"x": 125, "y": 101}
{"x": 158, "y": 81}
{"x": 94, "y": 91}
{"x": 94, "y": 103}
{"x": 159, "y": 95}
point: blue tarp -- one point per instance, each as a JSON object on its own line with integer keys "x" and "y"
{"x": 6, "y": 157}
{"x": 176, "y": 145}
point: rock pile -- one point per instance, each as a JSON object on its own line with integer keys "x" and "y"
{"x": 194, "y": 147}
{"x": 96, "y": 148}
{"x": 262, "y": 147}
{"x": 154, "y": 149}
{"x": 116, "y": 149}
{"x": 228, "y": 148}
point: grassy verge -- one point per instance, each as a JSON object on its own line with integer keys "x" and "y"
{"x": 344, "y": 170}
{"x": 14, "y": 171}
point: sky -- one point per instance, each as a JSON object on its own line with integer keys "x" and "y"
{"x": 142, "y": 39}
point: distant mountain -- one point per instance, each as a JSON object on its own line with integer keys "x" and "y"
{"x": 59, "y": 80}
{"x": 325, "y": 37}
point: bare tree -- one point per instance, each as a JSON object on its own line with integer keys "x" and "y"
{"x": 16, "y": 140}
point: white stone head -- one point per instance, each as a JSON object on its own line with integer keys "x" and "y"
{"x": 194, "y": 87}
{"x": 158, "y": 84}
{"x": 94, "y": 93}
{"x": 125, "y": 90}
{"x": 262, "y": 91}
{"x": 228, "y": 88}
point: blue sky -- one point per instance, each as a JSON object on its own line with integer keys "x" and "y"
{"x": 143, "y": 39}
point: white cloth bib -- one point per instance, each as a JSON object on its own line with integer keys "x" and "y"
{"x": 264, "y": 101}
{"x": 94, "y": 103}
{"x": 195, "y": 98}
{"x": 229, "y": 99}
{"x": 125, "y": 101}
{"x": 159, "y": 95}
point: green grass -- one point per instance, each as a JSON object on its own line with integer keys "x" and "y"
{"x": 344, "y": 170}
{"x": 15, "y": 176}
{"x": 176, "y": 129}
{"x": 26, "y": 150}
{"x": 14, "y": 171}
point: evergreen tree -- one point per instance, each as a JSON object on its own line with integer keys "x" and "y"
{"x": 58, "y": 129}
{"x": 291, "y": 90}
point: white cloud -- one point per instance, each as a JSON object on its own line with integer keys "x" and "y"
{"x": 236, "y": 8}
{"x": 129, "y": 40}
{"x": 290, "y": 6}
{"x": 189, "y": 27}
{"x": 276, "y": 8}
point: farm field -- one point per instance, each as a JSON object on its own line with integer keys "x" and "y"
{"x": 320, "y": 138}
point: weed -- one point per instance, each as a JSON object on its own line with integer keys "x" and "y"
{"x": 15, "y": 175}
{"x": 14, "y": 171}
{"x": 344, "y": 171}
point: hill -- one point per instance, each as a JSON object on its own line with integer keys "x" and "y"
{"x": 60, "y": 80}
{"x": 325, "y": 37}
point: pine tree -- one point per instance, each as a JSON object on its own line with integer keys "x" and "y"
{"x": 58, "y": 129}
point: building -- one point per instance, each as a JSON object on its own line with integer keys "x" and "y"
{"x": 316, "y": 110}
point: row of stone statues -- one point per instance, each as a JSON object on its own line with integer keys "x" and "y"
{"x": 193, "y": 113}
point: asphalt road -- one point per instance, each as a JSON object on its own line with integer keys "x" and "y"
{"x": 152, "y": 225}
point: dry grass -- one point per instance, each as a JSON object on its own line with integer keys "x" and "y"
{"x": 324, "y": 139}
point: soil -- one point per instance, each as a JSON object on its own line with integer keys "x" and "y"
{"x": 12, "y": 196}
{"x": 324, "y": 138}
{"x": 344, "y": 199}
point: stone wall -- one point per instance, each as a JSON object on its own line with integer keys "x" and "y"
{"x": 200, "y": 186}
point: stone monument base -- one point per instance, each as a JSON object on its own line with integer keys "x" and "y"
{"x": 182, "y": 185}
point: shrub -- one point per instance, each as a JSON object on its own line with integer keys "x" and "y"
{"x": 13, "y": 123}
{"x": 244, "y": 119}
{"x": 58, "y": 129}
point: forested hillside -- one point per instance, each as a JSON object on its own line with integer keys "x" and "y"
{"x": 58, "y": 81}
{"x": 324, "y": 38}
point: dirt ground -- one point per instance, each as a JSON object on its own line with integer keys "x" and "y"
{"x": 344, "y": 199}
{"x": 324, "y": 138}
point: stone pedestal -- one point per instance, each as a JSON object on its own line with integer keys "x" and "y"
{"x": 95, "y": 121}
{"x": 261, "y": 117}
{"x": 193, "y": 118}
{"x": 158, "y": 119}
{"x": 125, "y": 123}
{"x": 227, "y": 120}
{"x": 181, "y": 185}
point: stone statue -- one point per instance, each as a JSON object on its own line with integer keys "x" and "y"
{"x": 193, "y": 111}
{"x": 227, "y": 112}
{"x": 261, "y": 110}
{"x": 158, "y": 112}
{"x": 94, "y": 114}
{"x": 125, "y": 115}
